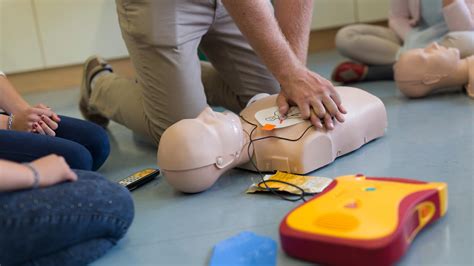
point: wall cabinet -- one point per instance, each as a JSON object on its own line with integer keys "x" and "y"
{"x": 72, "y": 30}
{"x": 372, "y": 10}
{"x": 37, "y": 34}
{"x": 19, "y": 41}
{"x": 332, "y": 13}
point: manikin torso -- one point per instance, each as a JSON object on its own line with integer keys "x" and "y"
{"x": 365, "y": 121}
{"x": 194, "y": 153}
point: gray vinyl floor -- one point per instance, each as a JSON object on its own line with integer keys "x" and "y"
{"x": 429, "y": 139}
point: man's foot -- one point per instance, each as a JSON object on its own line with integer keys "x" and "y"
{"x": 93, "y": 66}
{"x": 349, "y": 72}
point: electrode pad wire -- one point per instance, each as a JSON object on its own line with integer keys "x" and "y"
{"x": 263, "y": 181}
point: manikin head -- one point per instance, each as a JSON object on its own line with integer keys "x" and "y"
{"x": 193, "y": 153}
{"x": 421, "y": 71}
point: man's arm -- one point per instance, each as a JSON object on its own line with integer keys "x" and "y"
{"x": 294, "y": 18}
{"x": 299, "y": 85}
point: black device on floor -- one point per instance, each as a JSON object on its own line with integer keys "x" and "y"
{"x": 139, "y": 178}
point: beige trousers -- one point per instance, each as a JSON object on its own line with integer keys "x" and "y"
{"x": 377, "y": 45}
{"x": 162, "y": 38}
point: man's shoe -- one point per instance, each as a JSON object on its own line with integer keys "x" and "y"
{"x": 92, "y": 67}
{"x": 349, "y": 72}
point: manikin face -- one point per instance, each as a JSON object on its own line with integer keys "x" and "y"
{"x": 428, "y": 65}
{"x": 211, "y": 138}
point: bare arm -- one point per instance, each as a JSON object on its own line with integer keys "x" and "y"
{"x": 27, "y": 118}
{"x": 294, "y": 18}
{"x": 52, "y": 169}
{"x": 14, "y": 176}
{"x": 314, "y": 95}
{"x": 10, "y": 99}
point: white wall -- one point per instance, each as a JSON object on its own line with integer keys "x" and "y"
{"x": 372, "y": 10}
{"x": 19, "y": 43}
{"x": 37, "y": 34}
{"x": 333, "y": 13}
{"x": 72, "y": 30}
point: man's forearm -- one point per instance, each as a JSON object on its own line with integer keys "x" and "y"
{"x": 294, "y": 18}
{"x": 256, "y": 21}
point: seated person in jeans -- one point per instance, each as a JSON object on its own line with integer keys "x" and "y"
{"x": 52, "y": 215}
{"x": 28, "y": 133}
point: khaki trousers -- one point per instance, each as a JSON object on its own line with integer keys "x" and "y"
{"x": 162, "y": 38}
{"x": 377, "y": 45}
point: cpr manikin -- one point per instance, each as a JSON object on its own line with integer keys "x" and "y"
{"x": 420, "y": 72}
{"x": 194, "y": 153}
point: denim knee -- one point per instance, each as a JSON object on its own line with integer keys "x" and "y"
{"x": 99, "y": 147}
{"x": 78, "y": 157}
{"x": 111, "y": 199}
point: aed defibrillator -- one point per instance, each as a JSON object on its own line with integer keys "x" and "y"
{"x": 361, "y": 220}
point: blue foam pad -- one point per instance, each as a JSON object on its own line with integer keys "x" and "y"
{"x": 245, "y": 249}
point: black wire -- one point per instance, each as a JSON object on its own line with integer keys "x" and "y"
{"x": 263, "y": 181}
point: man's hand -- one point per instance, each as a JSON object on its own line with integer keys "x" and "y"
{"x": 283, "y": 52}
{"x": 314, "y": 95}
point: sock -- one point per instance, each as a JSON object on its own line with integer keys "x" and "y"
{"x": 382, "y": 72}
{"x": 103, "y": 72}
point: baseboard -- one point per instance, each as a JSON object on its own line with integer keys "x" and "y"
{"x": 62, "y": 77}
{"x": 70, "y": 76}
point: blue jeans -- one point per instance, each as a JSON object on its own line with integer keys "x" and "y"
{"x": 83, "y": 144}
{"x": 72, "y": 223}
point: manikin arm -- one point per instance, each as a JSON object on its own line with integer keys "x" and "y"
{"x": 299, "y": 85}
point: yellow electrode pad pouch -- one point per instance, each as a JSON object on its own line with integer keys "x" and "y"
{"x": 309, "y": 184}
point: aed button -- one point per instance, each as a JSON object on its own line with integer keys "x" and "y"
{"x": 352, "y": 204}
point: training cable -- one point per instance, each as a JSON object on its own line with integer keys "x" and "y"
{"x": 254, "y": 164}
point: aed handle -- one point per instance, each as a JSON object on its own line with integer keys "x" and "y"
{"x": 425, "y": 212}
